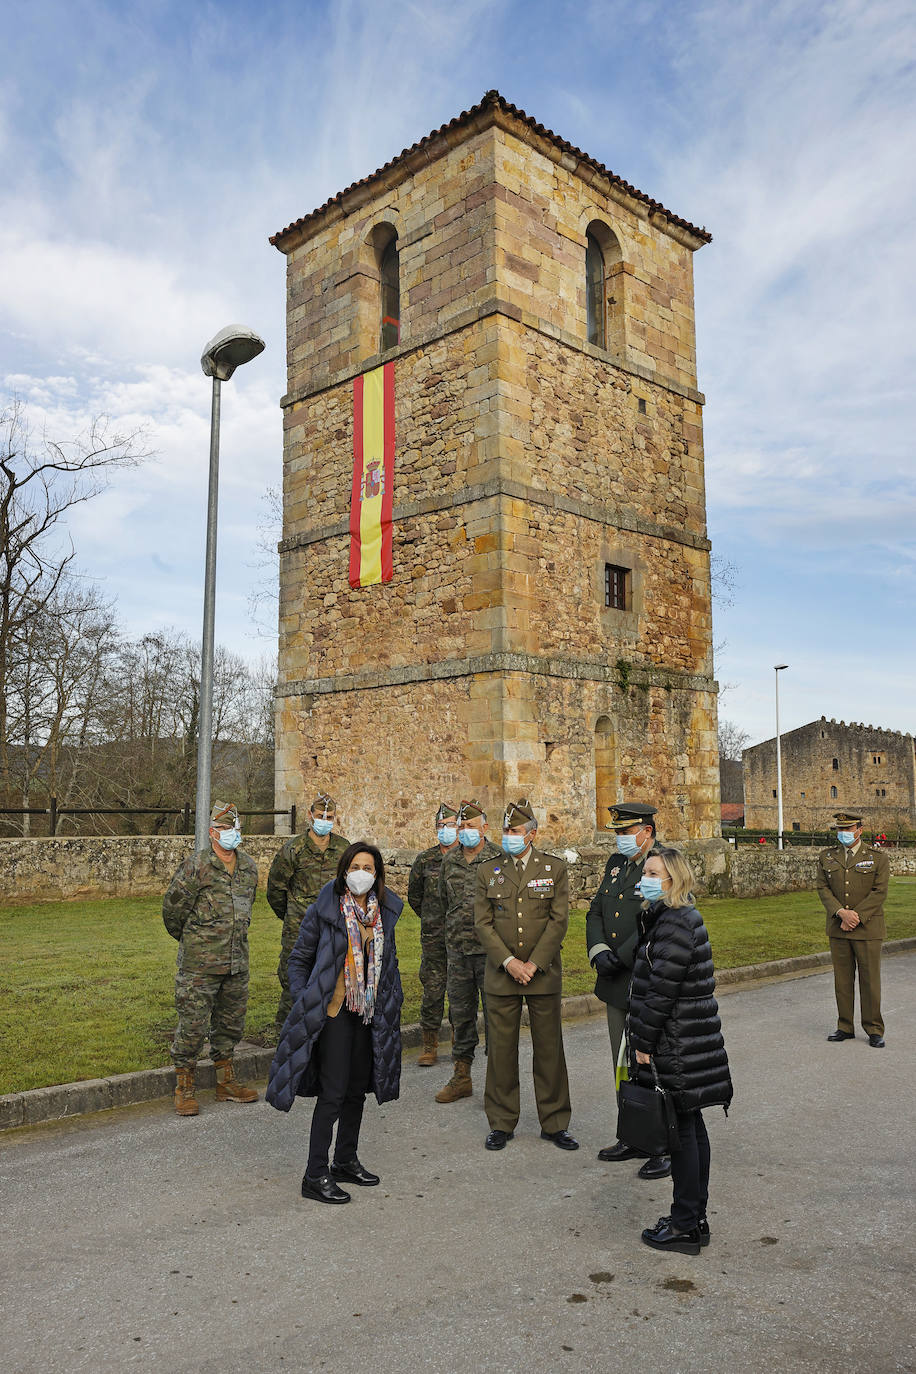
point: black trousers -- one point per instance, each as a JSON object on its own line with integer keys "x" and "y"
{"x": 344, "y": 1050}
{"x": 690, "y": 1171}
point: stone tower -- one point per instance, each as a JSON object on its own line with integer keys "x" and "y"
{"x": 547, "y": 628}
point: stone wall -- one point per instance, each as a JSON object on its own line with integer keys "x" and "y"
{"x": 828, "y": 766}
{"x": 71, "y": 868}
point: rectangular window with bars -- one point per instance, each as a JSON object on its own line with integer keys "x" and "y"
{"x": 616, "y": 587}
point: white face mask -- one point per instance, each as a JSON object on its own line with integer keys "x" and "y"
{"x": 359, "y": 881}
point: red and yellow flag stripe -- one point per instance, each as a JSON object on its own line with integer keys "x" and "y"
{"x": 372, "y": 495}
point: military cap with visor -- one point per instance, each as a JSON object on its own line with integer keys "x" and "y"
{"x": 843, "y": 819}
{"x": 518, "y": 813}
{"x": 627, "y": 814}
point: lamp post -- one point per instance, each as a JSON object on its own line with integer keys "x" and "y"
{"x": 778, "y": 667}
{"x": 226, "y": 351}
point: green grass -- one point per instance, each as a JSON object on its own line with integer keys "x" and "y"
{"x": 86, "y": 987}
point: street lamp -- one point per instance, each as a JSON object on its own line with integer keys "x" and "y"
{"x": 778, "y": 667}
{"x": 227, "y": 350}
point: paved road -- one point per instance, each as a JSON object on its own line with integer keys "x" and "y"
{"x": 134, "y": 1240}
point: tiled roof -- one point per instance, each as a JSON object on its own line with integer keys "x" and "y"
{"x": 494, "y": 101}
{"x": 732, "y": 812}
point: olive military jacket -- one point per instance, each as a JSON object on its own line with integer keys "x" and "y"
{"x": 457, "y": 886}
{"x": 857, "y": 882}
{"x": 525, "y": 915}
{"x": 300, "y": 870}
{"x": 423, "y": 892}
{"x": 207, "y": 910}
{"x": 613, "y": 923}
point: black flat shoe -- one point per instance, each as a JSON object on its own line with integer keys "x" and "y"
{"x": 658, "y": 1166}
{"x": 702, "y": 1227}
{"x": 562, "y": 1139}
{"x": 354, "y": 1172}
{"x": 664, "y": 1236}
{"x": 876, "y": 1042}
{"x": 497, "y": 1140}
{"x": 613, "y": 1153}
{"x": 323, "y": 1189}
{"x": 841, "y": 1035}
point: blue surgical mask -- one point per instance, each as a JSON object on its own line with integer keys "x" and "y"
{"x": 514, "y": 844}
{"x": 446, "y": 834}
{"x": 627, "y": 846}
{"x": 230, "y": 839}
{"x": 650, "y": 889}
{"x": 322, "y": 827}
{"x": 470, "y": 839}
{"x": 846, "y": 837}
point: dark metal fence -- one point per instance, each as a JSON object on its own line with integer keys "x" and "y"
{"x": 54, "y": 812}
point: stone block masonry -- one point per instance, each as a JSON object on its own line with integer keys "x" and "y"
{"x": 529, "y": 461}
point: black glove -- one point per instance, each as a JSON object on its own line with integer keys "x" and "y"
{"x": 606, "y": 963}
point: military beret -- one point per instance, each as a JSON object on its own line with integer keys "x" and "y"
{"x": 445, "y": 813}
{"x": 517, "y": 813}
{"x": 629, "y": 813}
{"x": 224, "y": 813}
{"x": 470, "y": 810}
{"x": 843, "y": 818}
{"x": 323, "y": 804}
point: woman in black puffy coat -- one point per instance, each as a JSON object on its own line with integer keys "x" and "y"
{"x": 674, "y": 1023}
{"x": 342, "y": 1037}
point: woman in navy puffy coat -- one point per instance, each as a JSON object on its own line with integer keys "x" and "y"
{"x": 342, "y": 1037}
{"x": 674, "y": 1022}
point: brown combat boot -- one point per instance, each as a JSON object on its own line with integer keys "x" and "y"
{"x": 430, "y": 1053}
{"x": 186, "y": 1103}
{"x": 459, "y": 1085}
{"x": 228, "y": 1088}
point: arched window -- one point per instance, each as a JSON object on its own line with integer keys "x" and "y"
{"x": 594, "y": 292}
{"x": 833, "y": 794}
{"x": 389, "y": 278}
{"x": 605, "y": 787}
{"x": 604, "y": 287}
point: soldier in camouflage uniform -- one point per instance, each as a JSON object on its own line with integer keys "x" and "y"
{"x": 298, "y": 873}
{"x": 466, "y": 958}
{"x": 423, "y": 898}
{"x": 207, "y": 909}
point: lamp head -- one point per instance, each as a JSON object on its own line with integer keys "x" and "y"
{"x": 229, "y": 349}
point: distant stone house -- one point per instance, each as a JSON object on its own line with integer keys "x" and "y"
{"x": 829, "y": 765}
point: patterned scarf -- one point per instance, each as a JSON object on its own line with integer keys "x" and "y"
{"x": 361, "y": 975}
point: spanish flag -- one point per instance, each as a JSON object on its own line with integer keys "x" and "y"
{"x": 373, "y": 477}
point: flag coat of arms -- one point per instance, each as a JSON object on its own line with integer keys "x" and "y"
{"x": 372, "y": 494}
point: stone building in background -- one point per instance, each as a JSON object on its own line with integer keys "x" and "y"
{"x": 828, "y": 767}
{"x": 547, "y": 628}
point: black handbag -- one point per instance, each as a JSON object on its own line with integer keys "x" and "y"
{"x": 646, "y": 1116}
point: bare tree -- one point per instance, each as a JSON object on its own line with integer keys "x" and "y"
{"x": 39, "y": 484}
{"x": 732, "y": 740}
{"x": 263, "y": 600}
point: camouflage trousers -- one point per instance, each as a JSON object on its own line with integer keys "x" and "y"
{"x": 291, "y": 923}
{"x": 208, "y": 1003}
{"x": 433, "y": 977}
{"x": 465, "y": 987}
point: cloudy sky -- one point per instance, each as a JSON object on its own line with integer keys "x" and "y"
{"x": 148, "y": 150}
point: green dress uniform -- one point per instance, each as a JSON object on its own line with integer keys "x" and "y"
{"x": 855, "y": 879}
{"x": 207, "y": 910}
{"x": 612, "y": 923}
{"x": 423, "y": 898}
{"x": 466, "y": 958}
{"x": 298, "y": 873}
{"x": 523, "y": 912}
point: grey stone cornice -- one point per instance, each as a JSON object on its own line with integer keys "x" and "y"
{"x": 505, "y": 662}
{"x": 497, "y": 487}
{"x": 496, "y": 305}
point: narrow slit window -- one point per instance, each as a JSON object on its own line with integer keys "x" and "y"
{"x": 594, "y": 287}
{"x": 616, "y": 587}
{"x": 389, "y": 274}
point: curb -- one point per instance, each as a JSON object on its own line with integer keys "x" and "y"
{"x": 253, "y": 1061}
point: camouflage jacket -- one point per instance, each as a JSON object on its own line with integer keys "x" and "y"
{"x": 423, "y": 890}
{"x": 208, "y": 910}
{"x": 299, "y": 872}
{"x": 457, "y": 886}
